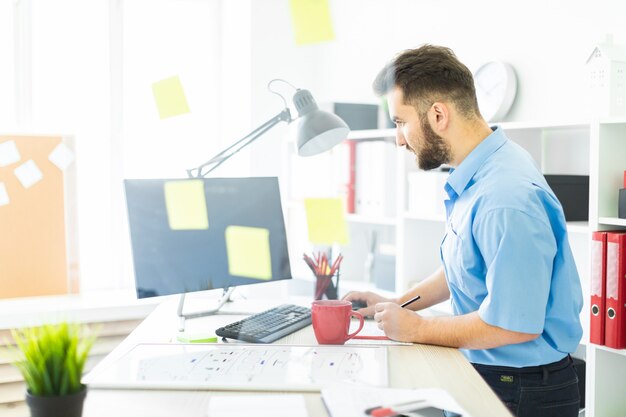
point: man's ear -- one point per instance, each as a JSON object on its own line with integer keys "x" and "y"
{"x": 439, "y": 116}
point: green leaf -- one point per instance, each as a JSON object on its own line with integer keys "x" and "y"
{"x": 51, "y": 357}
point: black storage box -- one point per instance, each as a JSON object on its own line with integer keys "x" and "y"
{"x": 621, "y": 210}
{"x": 573, "y": 193}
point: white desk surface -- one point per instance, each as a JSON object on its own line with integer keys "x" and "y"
{"x": 415, "y": 366}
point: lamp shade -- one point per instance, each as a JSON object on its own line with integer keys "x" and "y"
{"x": 318, "y": 130}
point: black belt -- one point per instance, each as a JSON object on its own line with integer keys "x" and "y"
{"x": 540, "y": 369}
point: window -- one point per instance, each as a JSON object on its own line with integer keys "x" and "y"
{"x": 176, "y": 38}
{"x": 93, "y": 66}
{"x": 7, "y": 69}
{"x": 70, "y": 95}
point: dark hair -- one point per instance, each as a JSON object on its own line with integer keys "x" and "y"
{"x": 427, "y": 74}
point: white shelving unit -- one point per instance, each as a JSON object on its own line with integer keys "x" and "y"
{"x": 597, "y": 149}
{"x": 382, "y": 220}
{"x": 612, "y": 221}
{"x": 606, "y": 367}
{"x": 558, "y": 148}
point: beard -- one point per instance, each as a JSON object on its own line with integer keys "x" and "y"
{"x": 435, "y": 151}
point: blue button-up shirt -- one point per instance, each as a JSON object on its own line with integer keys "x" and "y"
{"x": 506, "y": 254}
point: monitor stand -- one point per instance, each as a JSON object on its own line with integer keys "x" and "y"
{"x": 220, "y": 303}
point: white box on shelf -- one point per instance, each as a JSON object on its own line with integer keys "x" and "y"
{"x": 426, "y": 193}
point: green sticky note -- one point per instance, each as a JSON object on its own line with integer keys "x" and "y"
{"x": 248, "y": 251}
{"x": 326, "y": 221}
{"x": 170, "y": 97}
{"x": 311, "y": 21}
{"x": 197, "y": 338}
{"x": 186, "y": 205}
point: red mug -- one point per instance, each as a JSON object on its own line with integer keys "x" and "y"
{"x": 331, "y": 321}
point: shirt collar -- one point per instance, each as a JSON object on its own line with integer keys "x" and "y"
{"x": 461, "y": 176}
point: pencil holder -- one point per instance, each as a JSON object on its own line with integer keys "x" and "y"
{"x": 324, "y": 286}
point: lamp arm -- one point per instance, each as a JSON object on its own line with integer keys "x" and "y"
{"x": 222, "y": 156}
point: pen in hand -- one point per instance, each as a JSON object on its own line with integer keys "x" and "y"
{"x": 406, "y": 303}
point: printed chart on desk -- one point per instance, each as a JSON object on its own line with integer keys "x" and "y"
{"x": 242, "y": 367}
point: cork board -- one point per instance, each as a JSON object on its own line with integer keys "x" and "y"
{"x": 35, "y": 257}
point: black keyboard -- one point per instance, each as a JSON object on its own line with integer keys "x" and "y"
{"x": 269, "y": 325}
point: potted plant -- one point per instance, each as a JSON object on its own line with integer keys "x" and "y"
{"x": 51, "y": 360}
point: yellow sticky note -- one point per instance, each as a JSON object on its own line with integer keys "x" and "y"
{"x": 248, "y": 251}
{"x": 326, "y": 221}
{"x": 311, "y": 21}
{"x": 186, "y": 205}
{"x": 170, "y": 97}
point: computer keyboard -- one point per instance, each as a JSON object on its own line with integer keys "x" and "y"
{"x": 269, "y": 325}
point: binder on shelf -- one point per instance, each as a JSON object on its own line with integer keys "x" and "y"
{"x": 350, "y": 189}
{"x": 621, "y": 207}
{"x": 375, "y": 178}
{"x": 344, "y": 173}
{"x": 598, "y": 287}
{"x": 615, "y": 321}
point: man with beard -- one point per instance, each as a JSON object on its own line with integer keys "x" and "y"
{"x": 507, "y": 266}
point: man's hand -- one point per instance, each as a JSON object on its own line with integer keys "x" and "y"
{"x": 468, "y": 331}
{"x": 398, "y": 323}
{"x": 369, "y": 298}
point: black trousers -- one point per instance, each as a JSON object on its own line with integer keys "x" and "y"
{"x": 536, "y": 391}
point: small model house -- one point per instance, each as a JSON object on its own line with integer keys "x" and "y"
{"x": 607, "y": 76}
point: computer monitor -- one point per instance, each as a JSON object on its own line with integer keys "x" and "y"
{"x": 205, "y": 233}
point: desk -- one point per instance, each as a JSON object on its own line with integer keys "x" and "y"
{"x": 416, "y": 366}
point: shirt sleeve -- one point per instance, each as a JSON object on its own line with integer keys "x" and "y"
{"x": 519, "y": 252}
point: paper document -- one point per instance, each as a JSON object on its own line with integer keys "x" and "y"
{"x": 288, "y": 405}
{"x": 312, "y": 21}
{"x": 28, "y": 173}
{"x": 248, "y": 252}
{"x": 326, "y": 221}
{"x": 8, "y": 153}
{"x": 170, "y": 97}
{"x": 352, "y": 401}
{"x": 61, "y": 156}
{"x": 370, "y": 329}
{"x": 186, "y": 205}
{"x": 217, "y": 366}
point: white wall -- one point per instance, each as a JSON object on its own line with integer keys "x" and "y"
{"x": 547, "y": 42}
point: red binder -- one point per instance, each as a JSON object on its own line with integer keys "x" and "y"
{"x": 615, "y": 321}
{"x": 350, "y": 186}
{"x": 598, "y": 287}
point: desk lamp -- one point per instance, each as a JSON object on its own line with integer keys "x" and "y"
{"x": 317, "y": 132}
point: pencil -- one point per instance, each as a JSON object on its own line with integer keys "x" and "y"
{"x": 365, "y": 337}
{"x": 406, "y": 303}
